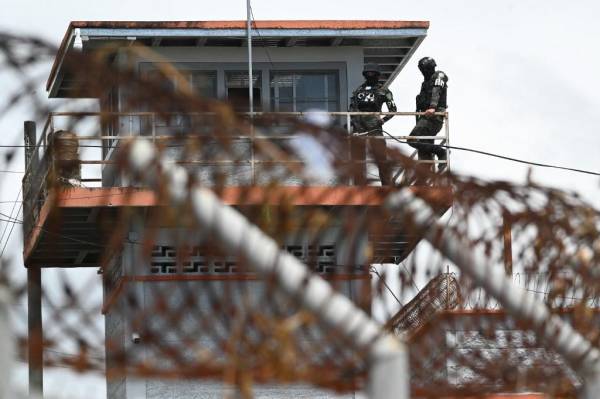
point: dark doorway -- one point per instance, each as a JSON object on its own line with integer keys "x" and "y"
{"x": 237, "y": 90}
{"x": 240, "y": 98}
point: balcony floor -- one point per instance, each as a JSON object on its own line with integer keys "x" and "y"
{"x": 74, "y": 224}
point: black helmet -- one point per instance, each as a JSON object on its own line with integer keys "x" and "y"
{"x": 371, "y": 69}
{"x": 427, "y": 66}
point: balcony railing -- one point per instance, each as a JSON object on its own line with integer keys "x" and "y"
{"x": 242, "y": 164}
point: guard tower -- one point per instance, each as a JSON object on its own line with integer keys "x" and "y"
{"x": 307, "y": 65}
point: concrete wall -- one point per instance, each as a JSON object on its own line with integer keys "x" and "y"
{"x": 202, "y": 322}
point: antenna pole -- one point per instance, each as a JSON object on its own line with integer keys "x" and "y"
{"x": 249, "y": 34}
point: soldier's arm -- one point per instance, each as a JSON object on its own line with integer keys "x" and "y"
{"x": 436, "y": 92}
{"x": 391, "y": 105}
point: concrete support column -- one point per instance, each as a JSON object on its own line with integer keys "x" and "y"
{"x": 34, "y": 321}
{"x": 6, "y": 343}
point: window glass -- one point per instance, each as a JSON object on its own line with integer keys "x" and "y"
{"x": 203, "y": 82}
{"x": 165, "y": 83}
{"x": 239, "y": 79}
{"x": 299, "y": 91}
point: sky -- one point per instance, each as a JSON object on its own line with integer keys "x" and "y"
{"x": 523, "y": 78}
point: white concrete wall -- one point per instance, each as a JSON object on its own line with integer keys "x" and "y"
{"x": 243, "y": 295}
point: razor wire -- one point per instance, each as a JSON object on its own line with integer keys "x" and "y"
{"x": 177, "y": 306}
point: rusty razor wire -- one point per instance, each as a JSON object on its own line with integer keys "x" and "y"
{"x": 192, "y": 213}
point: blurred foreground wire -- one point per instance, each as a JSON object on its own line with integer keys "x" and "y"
{"x": 184, "y": 299}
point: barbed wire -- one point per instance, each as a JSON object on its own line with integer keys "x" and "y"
{"x": 177, "y": 305}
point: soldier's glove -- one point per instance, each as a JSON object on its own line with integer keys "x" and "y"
{"x": 429, "y": 113}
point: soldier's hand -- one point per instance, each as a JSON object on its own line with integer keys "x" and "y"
{"x": 430, "y": 112}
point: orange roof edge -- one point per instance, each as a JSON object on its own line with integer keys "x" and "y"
{"x": 264, "y": 24}
{"x": 527, "y": 395}
{"x": 518, "y": 396}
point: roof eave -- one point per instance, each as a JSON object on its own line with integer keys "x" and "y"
{"x": 405, "y": 60}
{"x": 117, "y": 29}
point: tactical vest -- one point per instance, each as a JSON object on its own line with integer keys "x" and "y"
{"x": 438, "y": 79}
{"x": 370, "y": 98}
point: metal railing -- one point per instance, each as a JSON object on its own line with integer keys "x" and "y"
{"x": 111, "y": 128}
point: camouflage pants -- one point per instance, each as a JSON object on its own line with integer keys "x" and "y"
{"x": 427, "y": 126}
{"x": 375, "y": 140}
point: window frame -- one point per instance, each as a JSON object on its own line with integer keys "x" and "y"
{"x": 273, "y": 72}
{"x": 265, "y": 69}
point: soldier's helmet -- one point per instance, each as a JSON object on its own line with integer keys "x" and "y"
{"x": 427, "y": 66}
{"x": 371, "y": 70}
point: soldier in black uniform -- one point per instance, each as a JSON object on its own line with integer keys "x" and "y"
{"x": 370, "y": 97}
{"x": 431, "y": 99}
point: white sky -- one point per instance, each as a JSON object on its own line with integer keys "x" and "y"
{"x": 523, "y": 74}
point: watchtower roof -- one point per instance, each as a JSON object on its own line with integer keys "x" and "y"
{"x": 386, "y": 43}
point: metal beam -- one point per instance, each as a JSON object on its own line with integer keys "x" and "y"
{"x": 81, "y": 257}
{"x": 45, "y": 265}
{"x": 35, "y": 346}
{"x": 31, "y": 151}
{"x": 250, "y": 73}
{"x": 337, "y": 41}
{"x": 291, "y": 42}
{"x": 389, "y": 43}
{"x": 507, "y": 237}
{"x": 7, "y": 343}
{"x": 384, "y": 52}
{"x": 384, "y": 59}
{"x": 183, "y": 32}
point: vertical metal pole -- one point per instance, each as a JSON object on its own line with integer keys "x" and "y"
{"x": 447, "y": 288}
{"x": 30, "y": 144}
{"x": 350, "y": 143}
{"x": 154, "y": 128}
{"x": 6, "y": 343}
{"x": 44, "y": 133}
{"x": 131, "y": 125}
{"x": 507, "y": 234}
{"x": 250, "y": 74}
{"x": 31, "y": 165}
{"x": 447, "y": 131}
{"x": 252, "y": 157}
{"x": 250, "y": 85}
{"x": 34, "y": 320}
